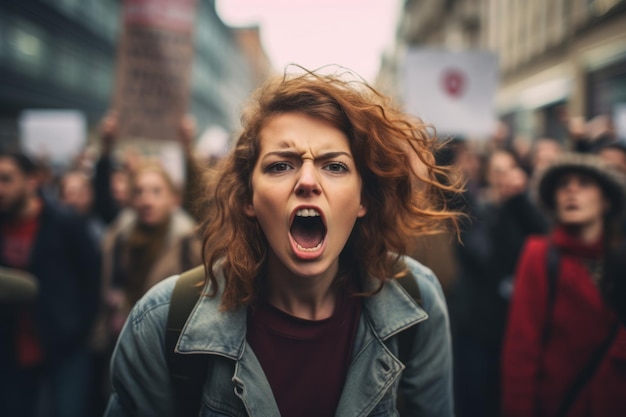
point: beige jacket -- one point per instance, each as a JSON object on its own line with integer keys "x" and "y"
{"x": 182, "y": 250}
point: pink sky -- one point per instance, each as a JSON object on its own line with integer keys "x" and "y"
{"x": 314, "y": 33}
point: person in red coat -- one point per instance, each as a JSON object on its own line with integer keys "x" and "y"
{"x": 564, "y": 352}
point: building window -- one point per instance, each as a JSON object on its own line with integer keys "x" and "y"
{"x": 25, "y": 46}
{"x": 68, "y": 66}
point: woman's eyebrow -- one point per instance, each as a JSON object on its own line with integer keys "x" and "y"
{"x": 293, "y": 154}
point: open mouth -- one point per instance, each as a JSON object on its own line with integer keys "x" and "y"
{"x": 308, "y": 230}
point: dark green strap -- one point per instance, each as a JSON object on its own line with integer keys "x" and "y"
{"x": 552, "y": 270}
{"x": 187, "y": 372}
{"x": 587, "y": 372}
{"x": 406, "y": 337}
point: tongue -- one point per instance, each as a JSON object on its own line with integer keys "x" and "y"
{"x": 307, "y": 233}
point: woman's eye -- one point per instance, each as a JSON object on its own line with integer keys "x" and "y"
{"x": 586, "y": 181}
{"x": 279, "y": 167}
{"x": 336, "y": 167}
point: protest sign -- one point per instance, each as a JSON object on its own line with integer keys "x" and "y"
{"x": 454, "y": 91}
{"x": 54, "y": 135}
{"x": 154, "y": 61}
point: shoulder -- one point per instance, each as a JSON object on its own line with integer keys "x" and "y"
{"x": 428, "y": 283}
{"x": 54, "y": 215}
{"x": 182, "y": 223}
{"x": 535, "y": 245}
{"x": 154, "y": 305}
{"x": 53, "y": 211}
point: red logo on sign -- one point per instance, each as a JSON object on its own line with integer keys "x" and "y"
{"x": 454, "y": 82}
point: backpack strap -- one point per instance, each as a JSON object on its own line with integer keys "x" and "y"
{"x": 552, "y": 270}
{"x": 187, "y": 372}
{"x": 587, "y": 372}
{"x": 409, "y": 283}
{"x": 406, "y": 337}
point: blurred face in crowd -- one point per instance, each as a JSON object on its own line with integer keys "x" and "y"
{"x": 76, "y": 192}
{"x": 615, "y": 157}
{"x": 15, "y": 188}
{"x": 505, "y": 176}
{"x": 120, "y": 188}
{"x": 153, "y": 197}
{"x": 545, "y": 152}
{"x": 306, "y": 194}
{"x": 469, "y": 163}
{"x": 579, "y": 200}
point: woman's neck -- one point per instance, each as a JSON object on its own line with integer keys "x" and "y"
{"x": 586, "y": 233}
{"x": 310, "y": 297}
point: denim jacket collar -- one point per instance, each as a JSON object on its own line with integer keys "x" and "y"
{"x": 209, "y": 330}
{"x": 388, "y": 312}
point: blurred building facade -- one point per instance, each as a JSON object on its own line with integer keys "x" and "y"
{"x": 60, "y": 54}
{"x": 557, "y": 58}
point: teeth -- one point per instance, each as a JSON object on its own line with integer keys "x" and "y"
{"x": 307, "y": 213}
{"x": 319, "y": 245}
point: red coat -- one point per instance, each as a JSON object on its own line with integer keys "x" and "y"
{"x": 535, "y": 379}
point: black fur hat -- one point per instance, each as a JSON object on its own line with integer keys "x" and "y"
{"x": 612, "y": 181}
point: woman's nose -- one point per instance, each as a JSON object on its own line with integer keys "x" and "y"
{"x": 308, "y": 181}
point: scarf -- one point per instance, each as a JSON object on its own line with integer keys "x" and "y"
{"x": 145, "y": 245}
{"x": 590, "y": 254}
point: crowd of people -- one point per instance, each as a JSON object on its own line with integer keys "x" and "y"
{"x": 522, "y": 335}
{"x": 525, "y": 308}
{"x": 93, "y": 240}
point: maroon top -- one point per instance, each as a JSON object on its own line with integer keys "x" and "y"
{"x": 305, "y": 361}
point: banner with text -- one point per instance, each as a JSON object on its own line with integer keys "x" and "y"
{"x": 154, "y": 61}
{"x": 453, "y": 91}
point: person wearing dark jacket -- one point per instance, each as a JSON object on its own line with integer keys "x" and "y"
{"x": 43, "y": 344}
{"x": 502, "y": 218}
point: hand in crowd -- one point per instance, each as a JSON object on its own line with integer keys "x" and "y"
{"x": 186, "y": 133}
{"x": 108, "y": 131}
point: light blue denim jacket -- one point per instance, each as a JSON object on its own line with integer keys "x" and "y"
{"x": 237, "y": 385}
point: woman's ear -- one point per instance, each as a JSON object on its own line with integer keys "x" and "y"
{"x": 362, "y": 210}
{"x": 249, "y": 210}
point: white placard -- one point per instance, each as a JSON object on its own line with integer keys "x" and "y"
{"x": 214, "y": 142}
{"x": 454, "y": 91}
{"x": 619, "y": 121}
{"x": 56, "y": 135}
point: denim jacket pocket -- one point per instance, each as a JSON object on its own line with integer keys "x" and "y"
{"x": 386, "y": 407}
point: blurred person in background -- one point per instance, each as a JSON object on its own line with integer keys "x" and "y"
{"x": 614, "y": 153}
{"x": 111, "y": 179}
{"x": 591, "y": 135}
{"x": 543, "y": 152}
{"x": 196, "y": 166}
{"x": 76, "y": 192}
{"x": 565, "y": 350}
{"x": 147, "y": 233}
{"x": 44, "y": 362}
{"x": 157, "y": 240}
{"x": 502, "y": 216}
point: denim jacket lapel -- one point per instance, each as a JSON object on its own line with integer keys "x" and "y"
{"x": 374, "y": 366}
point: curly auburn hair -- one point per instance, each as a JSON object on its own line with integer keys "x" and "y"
{"x": 405, "y": 192}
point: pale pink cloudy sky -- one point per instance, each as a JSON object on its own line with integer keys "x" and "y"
{"x": 314, "y": 33}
